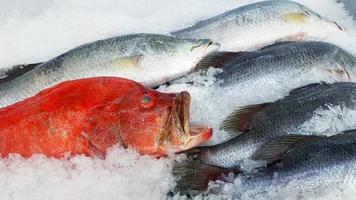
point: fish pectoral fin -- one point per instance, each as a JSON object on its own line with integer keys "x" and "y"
{"x": 100, "y": 139}
{"x": 193, "y": 177}
{"x": 129, "y": 62}
{"x": 217, "y": 59}
{"x": 276, "y": 148}
{"x": 340, "y": 74}
{"x": 297, "y": 17}
{"x": 10, "y": 73}
{"x": 93, "y": 150}
{"x": 241, "y": 119}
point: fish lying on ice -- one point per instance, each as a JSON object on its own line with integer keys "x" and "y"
{"x": 261, "y": 123}
{"x": 304, "y": 162}
{"x": 86, "y": 116}
{"x": 274, "y": 66}
{"x": 146, "y": 58}
{"x": 263, "y": 23}
{"x": 322, "y": 161}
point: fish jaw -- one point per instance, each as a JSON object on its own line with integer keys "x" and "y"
{"x": 177, "y": 135}
{"x": 198, "y": 134}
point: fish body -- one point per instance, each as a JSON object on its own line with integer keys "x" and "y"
{"x": 325, "y": 161}
{"x": 259, "y": 124}
{"x": 146, "y": 58}
{"x": 87, "y": 116}
{"x": 244, "y": 73}
{"x": 255, "y": 25}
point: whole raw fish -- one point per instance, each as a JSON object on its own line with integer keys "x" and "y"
{"x": 86, "y": 116}
{"x": 255, "y": 25}
{"x": 320, "y": 162}
{"x": 260, "y": 124}
{"x": 304, "y": 163}
{"x": 280, "y": 68}
{"x": 146, "y": 58}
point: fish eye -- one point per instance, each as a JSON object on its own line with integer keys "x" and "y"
{"x": 147, "y": 100}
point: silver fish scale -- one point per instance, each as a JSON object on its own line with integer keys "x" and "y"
{"x": 254, "y": 69}
{"x": 320, "y": 162}
{"x": 279, "y": 118}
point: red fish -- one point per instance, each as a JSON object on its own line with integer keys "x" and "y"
{"x": 87, "y": 116}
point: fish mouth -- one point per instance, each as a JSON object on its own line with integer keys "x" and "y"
{"x": 193, "y": 135}
{"x": 207, "y": 45}
{"x": 338, "y": 26}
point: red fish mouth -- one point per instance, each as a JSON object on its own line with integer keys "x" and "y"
{"x": 193, "y": 135}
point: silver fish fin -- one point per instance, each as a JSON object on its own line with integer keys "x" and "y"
{"x": 193, "y": 177}
{"x": 347, "y": 132}
{"x": 10, "y": 73}
{"x": 241, "y": 119}
{"x": 276, "y": 148}
{"x": 308, "y": 88}
{"x": 217, "y": 59}
{"x": 277, "y": 44}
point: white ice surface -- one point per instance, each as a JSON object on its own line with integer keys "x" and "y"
{"x": 36, "y": 30}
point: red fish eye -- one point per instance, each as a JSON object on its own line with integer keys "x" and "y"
{"x": 147, "y": 101}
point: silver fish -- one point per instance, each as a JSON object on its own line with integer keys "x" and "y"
{"x": 273, "y": 67}
{"x": 319, "y": 162}
{"x": 255, "y": 25}
{"x": 146, "y": 58}
{"x": 260, "y": 125}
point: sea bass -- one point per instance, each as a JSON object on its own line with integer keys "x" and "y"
{"x": 259, "y": 124}
{"x": 304, "y": 162}
{"x": 263, "y": 23}
{"x": 274, "y": 66}
{"x": 146, "y": 58}
{"x": 320, "y": 162}
{"x": 87, "y": 116}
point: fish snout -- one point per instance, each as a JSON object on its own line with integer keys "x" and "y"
{"x": 205, "y": 46}
{"x": 211, "y": 47}
{"x": 191, "y": 135}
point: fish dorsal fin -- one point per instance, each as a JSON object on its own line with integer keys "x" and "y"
{"x": 307, "y": 88}
{"x": 277, "y": 44}
{"x": 276, "y": 148}
{"x": 217, "y": 59}
{"x": 348, "y": 132}
{"x": 241, "y": 119}
{"x": 8, "y": 74}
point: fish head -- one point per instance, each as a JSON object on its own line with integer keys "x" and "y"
{"x": 175, "y": 52}
{"x": 346, "y": 62}
{"x": 158, "y": 124}
{"x": 317, "y": 21}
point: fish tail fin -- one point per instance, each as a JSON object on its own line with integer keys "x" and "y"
{"x": 15, "y": 71}
{"x": 193, "y": 176}
{"x": 216, "y": 59}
